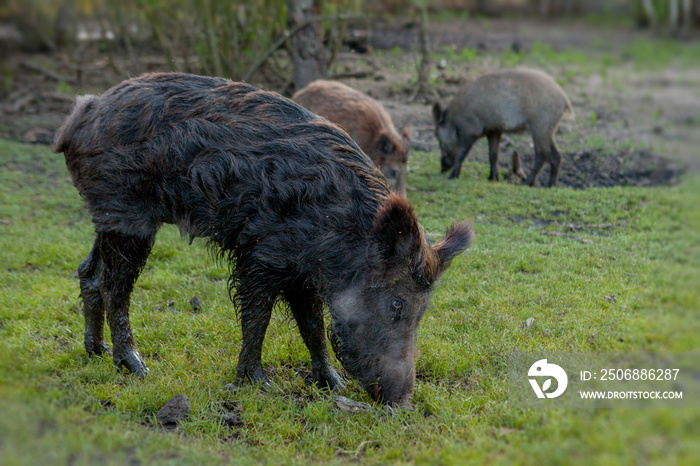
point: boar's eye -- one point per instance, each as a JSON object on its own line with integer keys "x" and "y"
{"x": 397, "y": 307}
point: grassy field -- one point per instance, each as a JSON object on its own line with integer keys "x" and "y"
{"x": 57, "y": 406}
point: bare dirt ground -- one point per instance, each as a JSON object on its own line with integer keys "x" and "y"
{"x": 633, "y": 126}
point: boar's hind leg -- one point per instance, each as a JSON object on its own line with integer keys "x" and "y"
{"x": 122, "y": 257}
{"x": 307, "y": 309}
{"x": 256, "y": 309}
{"x": 494, "y": 146}
{"x": 555, "y": 161}
{"x": 89, "y": 272}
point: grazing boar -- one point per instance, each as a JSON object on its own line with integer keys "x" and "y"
{"x": 366, "y": 121}
{"x": 503, "y": 102}
{"x": 287, "y": 197}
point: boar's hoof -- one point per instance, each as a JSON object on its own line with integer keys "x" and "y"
{"x": 97, "y": 348}
{"x": 453, "y": 174}
{"x": 255, "y": 374}
{"x": 328, "y": 377}
{"x": 133, "y": 362}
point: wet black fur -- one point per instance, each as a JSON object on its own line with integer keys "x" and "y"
{"x": 281, "y": 191}
{"x": 286, "y": 196}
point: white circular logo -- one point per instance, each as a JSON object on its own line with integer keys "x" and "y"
{"x": 542, "y": 369}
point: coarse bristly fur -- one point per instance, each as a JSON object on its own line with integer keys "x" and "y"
{"x": 503, "y": 101}
{"x": 366, "y": 121}
{"x": 298, "y": 209}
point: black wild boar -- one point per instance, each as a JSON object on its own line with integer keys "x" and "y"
{"x": 503, "y": 102}
{"x": 366, "y": 121}
{"x": 301, "y": 213}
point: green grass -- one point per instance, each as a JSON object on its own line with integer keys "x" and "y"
{"x": 567, "y": 65}
{"x": 58, "y": 406}
{"x": 659, "y": 54}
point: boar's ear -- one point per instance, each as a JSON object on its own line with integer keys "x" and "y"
{"x": 456, "y": 241}
{"x": 385, "y": 144}
{"x": 438, "y": 113}
{"x": 396, "y": 230}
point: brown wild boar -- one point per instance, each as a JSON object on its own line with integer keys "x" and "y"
{"x": 366, "y": 121}
{"x": 506, "y": 101}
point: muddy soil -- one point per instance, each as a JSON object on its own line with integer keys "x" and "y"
{"x": 633, "y": 126}
{"x": 597, "y": 167}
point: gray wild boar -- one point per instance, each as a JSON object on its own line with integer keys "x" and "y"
{"x": 506, "y": 101}
{"x": 366, "y": 121}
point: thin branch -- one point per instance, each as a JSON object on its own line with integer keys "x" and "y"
{"x": 19, "y": 104}
{"x": 354, "y": 74}
{"x": 358, "y": 450}
{"x": 48, "y": 73}
{"x": 58, "y": 96}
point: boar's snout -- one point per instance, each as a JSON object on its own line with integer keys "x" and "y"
{"x": 395, "y": 385}
{"x": 386, "y": 371}
{"x": 396, "y": 175}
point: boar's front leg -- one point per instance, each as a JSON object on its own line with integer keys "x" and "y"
{"x": 307, "y": 309}
{"x": 123, "y": 258}
{"x": 494, "y": 147}
{"x": 256, "y": 309}
{"x": 467, "y": 144}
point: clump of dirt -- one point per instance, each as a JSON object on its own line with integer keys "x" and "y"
{"x": 598, "y": 168}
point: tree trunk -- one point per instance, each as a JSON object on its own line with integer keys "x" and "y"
{"x": 673, "y": 17}
{"x": 649, "y": 11}
{"x": 423, "y": 87}
{"x": 308, "y": 54}
{"x": 687, "y": 17}
{"x": 64, "y": 25}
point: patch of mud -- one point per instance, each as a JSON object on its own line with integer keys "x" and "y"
{"x": 597, "y": 168}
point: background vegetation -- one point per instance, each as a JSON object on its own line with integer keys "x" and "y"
{"x": 230, "y": 38}
{"x": 632, "y": 284}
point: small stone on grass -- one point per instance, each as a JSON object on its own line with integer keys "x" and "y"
{"x": 176, "y": 409}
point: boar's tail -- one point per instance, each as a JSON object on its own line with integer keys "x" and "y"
{"x": 65, "y": 134}
{"x": 569, "y": 110}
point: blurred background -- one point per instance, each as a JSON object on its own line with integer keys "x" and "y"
{"x": 628, "y": 65}
{"x": 632, "y": 71}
